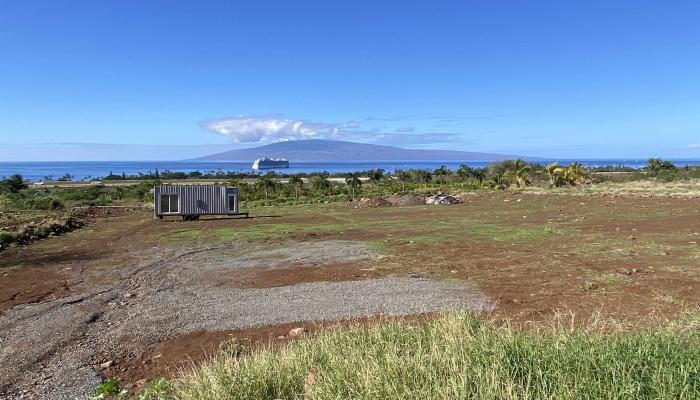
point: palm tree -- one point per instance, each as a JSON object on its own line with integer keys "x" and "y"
{"x": 463, "y": 173}
{"x": 479, "y": 174}
{"x": 499, "y": 181}
{"x": 441, "y": 173}
{"x": 552, "y": 172}
{"x": 297, "y": 183}
{"x": 354, "y": 182}
{"x": 575, "y": 174}
{"x": 267, "y": 185}
{"x": 13, "y": 184}
{"x": 320, "y": 184}
{"x": 376, "y": 176}
{"x": 423, "y": 176}
{"x": 403, "y": 177}
{"x": 654, "y": 165}
{"x": 519, "y": 172}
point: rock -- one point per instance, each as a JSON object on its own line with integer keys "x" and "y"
{"x": 296, "y": 332}
{"x": 311, "y": 377}
{"x": 516, "y": 301}
{"x": 442, "y": 199}
{"x": 454, "y": 271}
{"x": 631, "y": 237}
{"x": 281, "y": 337}
{"x": 157, "y": 356}
{"x": 106, "y": 364}
{"x": 405, "y": 200}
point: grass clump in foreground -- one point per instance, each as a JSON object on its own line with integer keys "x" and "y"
{"x": 459, "y": 356}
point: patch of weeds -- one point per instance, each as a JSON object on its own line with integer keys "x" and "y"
{"x": 609, "y": 278}
{"x": 525, "y": 232}
{"x": 590, "y": 286}
{"x": 109, "y": 389}
{"x": 187, "y": 233}
{"x": 379, "y": 246}
{"x": 230, "y": 347}
{"x": 273, "y": 231}
{"x": 160, "y": 389}
{"x": 623, "y": 248}
{"x": 669, "y": 298}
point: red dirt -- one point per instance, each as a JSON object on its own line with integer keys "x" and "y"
{"x": 30, "y": 285}
{"x": 172, "y": 356}
{"x": 531, "y": 280}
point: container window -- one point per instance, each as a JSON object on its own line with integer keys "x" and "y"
{"x": 169, "y": 203}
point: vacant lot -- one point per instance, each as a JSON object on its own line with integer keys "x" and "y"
{"x": 131, "y": 297}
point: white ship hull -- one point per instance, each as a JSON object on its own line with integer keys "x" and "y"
{"x": 268, "y": 163}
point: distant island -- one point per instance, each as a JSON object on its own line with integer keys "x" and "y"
{"x": 335, "y": 150}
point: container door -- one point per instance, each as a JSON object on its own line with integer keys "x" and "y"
{"x": 232, "y": 203}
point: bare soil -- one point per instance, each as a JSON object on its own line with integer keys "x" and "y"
{"x": 151, "y": 295}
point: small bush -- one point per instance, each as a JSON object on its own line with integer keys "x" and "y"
{"x": 7, "y": 238}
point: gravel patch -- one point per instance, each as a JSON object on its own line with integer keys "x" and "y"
{"x": 281, "y": 255}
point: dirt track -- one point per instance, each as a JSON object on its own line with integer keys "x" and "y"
{"x": 128, "y": 288}
{"x": 53, "y": 346}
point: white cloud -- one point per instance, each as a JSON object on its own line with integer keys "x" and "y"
{"x": 693, "y": 146}
{"x": 247, "y": 129}
{"x": 242, "y": 129}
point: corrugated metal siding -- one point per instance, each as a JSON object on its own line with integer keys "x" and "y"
{"x": 196, "y": 199}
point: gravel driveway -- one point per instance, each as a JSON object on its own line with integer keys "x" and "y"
{"x": 49, "y": 350}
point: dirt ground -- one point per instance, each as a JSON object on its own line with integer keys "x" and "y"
{"x": 136, "y": 298}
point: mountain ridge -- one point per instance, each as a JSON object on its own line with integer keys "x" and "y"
{"x": 336, "y": 150}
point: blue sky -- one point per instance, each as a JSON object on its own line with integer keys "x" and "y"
{"x": 587, "y": 79}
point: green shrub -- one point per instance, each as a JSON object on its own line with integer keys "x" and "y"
{"x": 7, "y": 238}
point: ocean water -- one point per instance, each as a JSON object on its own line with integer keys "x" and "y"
{"x": 38, "y": 170}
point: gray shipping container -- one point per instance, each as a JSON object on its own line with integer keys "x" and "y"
{"x": 191, "y": 201}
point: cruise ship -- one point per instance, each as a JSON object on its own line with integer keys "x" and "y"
{"x": 270, "y": 163}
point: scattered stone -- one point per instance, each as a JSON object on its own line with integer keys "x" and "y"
{"x": 405, "y": 200}
{"x": 516, "y": 301}
{"x": 157, "y": 356}
{"x": 106, "y": 364}
{"x": 631, "y": 237}
{"x": 296, "y": 332}
{"x": 442, "y": 199}
{"x": 281, "y": 337}
{"x": 454, "y": 271}
{"x": 311, "y": 378}
{"x": 368, "y": 202}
